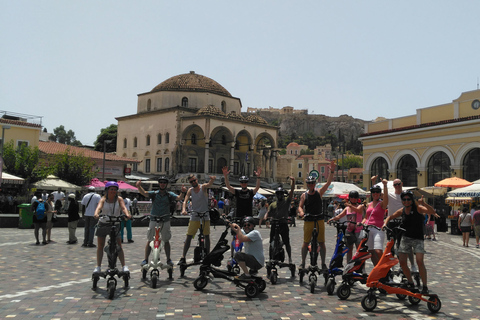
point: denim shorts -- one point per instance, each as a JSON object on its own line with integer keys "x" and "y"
{"x": 408, "y": 244}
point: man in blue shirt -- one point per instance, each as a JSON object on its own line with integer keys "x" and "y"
{"x": 161, "y": 208}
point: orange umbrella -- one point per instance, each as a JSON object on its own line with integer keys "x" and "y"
{"x": 453, "y": 182}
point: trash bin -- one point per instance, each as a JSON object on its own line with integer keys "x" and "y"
{"x": 25, "y": 216}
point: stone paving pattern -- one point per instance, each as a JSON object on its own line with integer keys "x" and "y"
{"x": 54, "y": 282}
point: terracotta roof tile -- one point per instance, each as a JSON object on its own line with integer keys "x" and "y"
{"x": 20, "y": 123}
{"x": 50, "y": 147}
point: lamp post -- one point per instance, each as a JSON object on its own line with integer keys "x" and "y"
{"x": 104, "y": 149}
{"x": 4, "y": 127}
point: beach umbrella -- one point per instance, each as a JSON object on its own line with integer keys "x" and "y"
{"x": 453, "y": 182}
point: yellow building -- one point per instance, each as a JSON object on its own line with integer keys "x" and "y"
{"x": 189, "y": 123}
{"x": 436, "y": 143}
{"x": 20, "y": 128}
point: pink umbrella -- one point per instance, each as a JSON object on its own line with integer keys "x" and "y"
{"x": 97, "y": 184}
{"x": 123, "y": 186}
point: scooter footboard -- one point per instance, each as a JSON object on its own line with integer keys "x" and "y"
{"x": 397, "y": 290}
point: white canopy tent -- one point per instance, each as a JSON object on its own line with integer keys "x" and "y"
{"x": 10, "y": 178}
{"x": 338, "y": 188}
{"x": 470, "y": 191}
{"x": 53, "y": 183}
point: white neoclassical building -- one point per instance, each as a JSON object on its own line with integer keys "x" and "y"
{"x": 189, "y": 123}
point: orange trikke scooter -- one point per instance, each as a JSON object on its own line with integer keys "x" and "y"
{"x": 378, "y": 279}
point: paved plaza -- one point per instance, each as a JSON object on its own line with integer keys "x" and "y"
{"x": 54, "y": 282}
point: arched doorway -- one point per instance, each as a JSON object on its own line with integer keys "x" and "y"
{"x": 407, "y": 170}
{"x": 471, "y": 165}
{"x": 379, "y": 168}
{"x": 221, "y": 162}
{"x": 438, "y": 168}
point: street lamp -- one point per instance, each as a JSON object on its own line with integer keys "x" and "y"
{"x": 4, "y": 127}
{"x": 104, "y": 149}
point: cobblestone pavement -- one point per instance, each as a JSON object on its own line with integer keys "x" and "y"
{"x": 54, "y": 282}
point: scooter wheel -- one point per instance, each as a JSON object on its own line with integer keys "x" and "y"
{"x": 252, "y": 290}
{"x": 111, "y": 289}
{"x": 344, "y": 291}
{"x": 273, "y": 277}
{"x": 401, "y": 296}
{"x": 312, "y": 286}
{"x": 170, "y": 273}
{"x": 330, "y": 286}
{"x": 154, "y": 281}
{"x": 200, "y": 283}
{"x": 292, "y": 270}
{"x": 414, "y": 301}
{"x": 95, "y": 281}
{"x": 269, "y": 272}
{"x": 125, "y": 280}
{"x": 434, "y": 304}
{"x": 144, "y": 274}
{"x": 236, "y": 269}
{"x": 369, "y": 302}
{"x": 182, "y": 270}
{"x": 262, "y": 284}
{"x": 300, "y": 275}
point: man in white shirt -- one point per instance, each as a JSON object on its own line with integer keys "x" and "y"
{"x": 89, "y": 204}
{"x": 127, "y": 223}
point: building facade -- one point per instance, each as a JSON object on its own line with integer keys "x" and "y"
{"x": 436, "y": 143}
{"x": 189, "y": 123}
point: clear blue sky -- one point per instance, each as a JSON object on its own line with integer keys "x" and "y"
{"x": 82, "y": 63}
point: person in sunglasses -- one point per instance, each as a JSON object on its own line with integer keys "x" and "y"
{"x": 413, "y": 216}
{"x": 253, "y": 257}
{"x": 374, "y": 216}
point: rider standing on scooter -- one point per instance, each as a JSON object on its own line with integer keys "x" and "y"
{"x": 160, "y": 208}
{"x": 280, "y": 210}
{"x": 312, "y": 200}
{"x": 253, "y": 256}
{"x": 413, "y": 216}
{"x": 110, "y": 205}
{"x": 244, "y": 196}
{"x": 199, "y": 194}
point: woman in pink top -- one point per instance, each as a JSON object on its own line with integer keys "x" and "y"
{"x": 354, "y": 211}
{"x": 375, "y": 216}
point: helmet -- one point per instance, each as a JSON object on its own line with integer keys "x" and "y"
{"x": 311, "y": 179}
{"x": 407, "y": 193}
{"x": 243, "y": 179}
{"x": 249, "y": 220}
{"x": 353, "y": 194}
{"x": 111, "y": 184}
{"x": 162, "y": 178}
{"x": 279, "y": 190}
{"x": 375, "y": 188}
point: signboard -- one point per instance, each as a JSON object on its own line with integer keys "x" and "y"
{"x": 314, "y": 173}
{"x": 128, "y": 170}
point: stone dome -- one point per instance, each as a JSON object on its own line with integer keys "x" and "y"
{"x": 192, "y": 82}
{"x": 234, "y": 115}
{"x": 256, "y": 119}
{"x": 210, "y": 110}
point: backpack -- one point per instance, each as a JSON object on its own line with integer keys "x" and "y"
{"x": 40, "y": 211}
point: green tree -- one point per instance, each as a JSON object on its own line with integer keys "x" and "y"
{"x": 60, "y": 135}
{"x": 109, "y": 133}
{"x": 22, "y": 161}
{"x": 74, "y": 168}
{"x": 350, "y": 161}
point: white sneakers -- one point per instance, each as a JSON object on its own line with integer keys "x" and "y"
{"x": 125, "y": 269}
{"x": 97, "y": 270}
{"x": 414, "y": 268}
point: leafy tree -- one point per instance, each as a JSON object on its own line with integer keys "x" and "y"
{"x": 22, "y": 161}
{"x": 74, "y": 168}
{"x": 60, "y": 135}
{"x": 350, "y": 161}
{"x": 109, "y": 133}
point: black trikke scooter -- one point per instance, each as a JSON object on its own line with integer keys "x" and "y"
{"x": 112, "y": 253}
{"x": 277, "y": 254}
{"x": 209, "y": 269}
{"x": 200, "y": 251}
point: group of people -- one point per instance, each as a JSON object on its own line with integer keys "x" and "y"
{"x": 383, "y": 209}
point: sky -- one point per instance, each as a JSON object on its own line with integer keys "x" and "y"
{"x": 81, "y": 64}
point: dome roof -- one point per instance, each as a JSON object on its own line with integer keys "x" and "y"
{"x": 234, "y": 115}
{"x": 256, "y": 119}
{"x": 192, "y": 82}
{"x": 210, "y": 110}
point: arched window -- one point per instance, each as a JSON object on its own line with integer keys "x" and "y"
{"x": 193, "y": 138}
{"x": 471, "y": 165}
{"x": 167, "y": 164}
{"x": 167, "y": 137}
{"x": 407, "y": 171}
{"x": 224, "y": 140}
{"x": 379, "y": 168}
{"x": 148, "y": 140}
{"x": 135, "y": 142}
{"x": 124, "y": 143}
{"x": 149, "y": 105}
{"x": 185, "y": 102}
{"x": 438, "y": 168}
{"x": 224, "y": 107}
{"x": 159, "y": 138}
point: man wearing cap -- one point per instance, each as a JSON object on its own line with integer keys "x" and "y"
{"x": 89, "y": 204}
